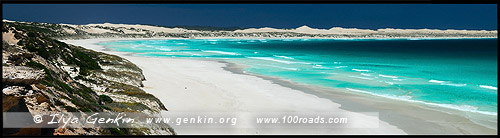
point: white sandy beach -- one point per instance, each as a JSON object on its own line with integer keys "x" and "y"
{"x": 210, "y": 86}
{"x": 198, "y": 85}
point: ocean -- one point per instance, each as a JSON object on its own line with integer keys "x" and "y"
{"x": 459, "y": 74}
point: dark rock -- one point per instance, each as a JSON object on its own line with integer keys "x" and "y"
{"x": 18, "y": 58}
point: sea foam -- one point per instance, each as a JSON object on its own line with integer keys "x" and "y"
{"x": 221, "y": 52}
{"x": 488, "y": 87}
{"x": 467, "y": 108}
{"x": 283, "y": 57}
{"x": 361, "y": 70}
{"x": 277, "y": 60}
{"x": 453, "y": 84}
{"x": 359, "y": 77}
{"x": 285, "y": 68}
{"x": 436, "y": 81}
{"x": 447, "y": 83}
{"x": 387, "y": 76}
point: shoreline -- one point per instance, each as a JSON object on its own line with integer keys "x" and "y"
{"x": 363, "y": 103}
{"x": 278, "y": 38}
{"x": 419, "y": 120}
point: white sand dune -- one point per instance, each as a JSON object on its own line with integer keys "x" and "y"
{"x": 130, "y": 29}
{"x": 144, "y": 29}
{"x": 261, "y": 30}
{"x": 308, "y": 30}
{"x": 339, "y": 30}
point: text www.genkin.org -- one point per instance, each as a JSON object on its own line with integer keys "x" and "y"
{"x": 193, "y": 120}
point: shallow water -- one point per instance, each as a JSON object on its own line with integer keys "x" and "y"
{"x": 458, "y": 74}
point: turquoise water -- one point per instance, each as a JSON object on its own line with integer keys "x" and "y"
{"x": 458, "y": 74}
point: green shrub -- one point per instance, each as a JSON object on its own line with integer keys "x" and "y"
{"x": 64, "y": 86}
{"x": 48, "y": 75}
{"x": 105, "y": 107}
{"x": 85, "y": 109}
{"x": 35, "y": 65}
{"x": 70, "y": 109}
{"x": 79, "y": 77}
{"x": 85, "y": 92}
{"x": 75, "y": 102}
{"x": 116, "y": 131}
{"x": 105, "y": 99}
{"x": 85, "y": 62}
{"x": 32, "y": 34}
{"x": 31, "y": 48}
{"x": 84, "y": 72}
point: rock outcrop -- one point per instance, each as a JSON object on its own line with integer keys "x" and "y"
{"x": 21, "y": 75}
{"x": 41, "y": 75}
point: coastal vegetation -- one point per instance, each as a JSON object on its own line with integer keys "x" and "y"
{"x": 43, "y": 74}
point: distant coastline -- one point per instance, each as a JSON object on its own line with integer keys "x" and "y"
{"x": 108, "y": 30}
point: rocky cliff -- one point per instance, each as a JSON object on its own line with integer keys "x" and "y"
{"x": 41, "y": 74}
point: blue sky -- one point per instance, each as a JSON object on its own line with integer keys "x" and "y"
{"x": 366, "y": 16}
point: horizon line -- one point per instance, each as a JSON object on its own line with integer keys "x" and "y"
{"x": 175, "y": 26}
